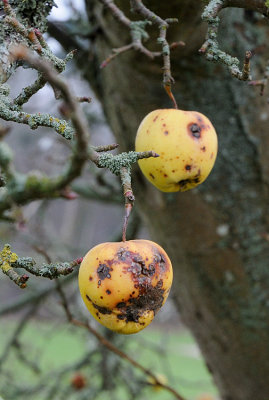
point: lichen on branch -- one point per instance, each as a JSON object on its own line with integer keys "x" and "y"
{"x": 18, "y": 189}
{"x": 10, "y": 261}
{"x": 211, "y": 46}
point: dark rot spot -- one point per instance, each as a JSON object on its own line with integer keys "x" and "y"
{"x": 187, "y": 167}
{"x": 103, "y": 271}
{"x": 108, "y": 291}
{"x": 101, "y": 297}
{"x": 121, "y": 304}
{"x": 90, "y": 278}
{"x": 161, "y": 260}
{"x": 132, "y": 315}
{"x": 197, "y": 176}
{"x": 150, "y": 271}
{"x": 164, "y": 125}
{"x": 166, "y": 133}
{"x": 152, "y": 301}
{"x": 173, "y": 171}
{"x": 102, "y": 310}
{"x": 99, "y": 282}
{"x": 203, "y": 148}
{"x": 155, "y": 118}
{"x": 151, "y": 175}
{"x": 184, "y": 182}
{"x": 165, "y": 175}
{"x": 123, "y": 254}
{"x": 194, "y": 130}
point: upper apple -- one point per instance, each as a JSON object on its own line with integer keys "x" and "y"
{"x": 187, "y": 144}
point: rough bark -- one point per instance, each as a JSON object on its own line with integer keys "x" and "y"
{"x": 221, "y": 281}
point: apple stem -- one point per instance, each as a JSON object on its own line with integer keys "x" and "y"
{"x": 128, "y": 209}
{"x": 170, "y": 94}
{"x": 125, "y": 175}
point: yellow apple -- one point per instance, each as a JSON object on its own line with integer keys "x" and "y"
{"x": 187, "y": 145}
{"x": 124, "y": 284}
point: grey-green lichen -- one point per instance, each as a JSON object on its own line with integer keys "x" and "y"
{"x": 138, "y": 31}
{"x": 29, "y": 14}
{"x": 211, "y": 45}
{"x": 10, "y": 112}
{"x": 50, "y": 271}
{"x": 32, "y": 12}
{"x": 115, "y": 163}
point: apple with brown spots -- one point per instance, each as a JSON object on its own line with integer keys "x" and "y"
{"x": 187, "y": 145}
{"x": 124, "y": 284}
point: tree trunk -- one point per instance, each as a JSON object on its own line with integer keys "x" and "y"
{"x": 215, "y": 234}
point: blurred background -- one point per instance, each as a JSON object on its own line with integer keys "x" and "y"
{"x": 41, "y": 355}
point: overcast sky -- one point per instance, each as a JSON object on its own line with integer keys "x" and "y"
{"x": 64, "y": 12}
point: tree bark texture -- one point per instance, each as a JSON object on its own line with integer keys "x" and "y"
{"x": 215, "y": 234}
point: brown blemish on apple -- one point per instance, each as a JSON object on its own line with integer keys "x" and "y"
{"x": 194, "y": 130}
{"x": 212, "y": 154}
{"x": 164, "y": 125}
{"x": 187, "y": 167}
{"x": 102, "y": 310}
{"x": 90, "y": 278}
{"x": 185, "y": 182}
{"x": 151, "y": 175}
{"x": 165, "y": 175}
{"x": 108, "y": 291}
{"x": 203, "y": 148}
{"x": 173, "y": 171}
{"x": 166, "y": 133}
{"x": 103, "y": 271}
{"x": 154, "y": 119}
{"x": 199, "y": 118}
{"x": 132, "y": 310}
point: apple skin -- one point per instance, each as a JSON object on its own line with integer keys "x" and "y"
{"x": 187, "y": 145}
{"x": 124, "y": 284}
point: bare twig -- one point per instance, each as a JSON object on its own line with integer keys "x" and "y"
{"x": 138, "y": 34}
{"x": 15, "y": 336}
{"x": 140, "y": 8}
{"x": 114, "y": 349}
{"x": 262, "y": 83}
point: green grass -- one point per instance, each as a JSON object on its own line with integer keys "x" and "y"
{"x": 172, "y": 354}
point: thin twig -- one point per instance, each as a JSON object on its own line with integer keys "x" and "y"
{"x": 114, "y": 349}
{"x": 168, "y": 80}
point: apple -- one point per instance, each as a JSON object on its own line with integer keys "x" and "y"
{"x": 187, "y": 145}
{"x": 124, "y": 284}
